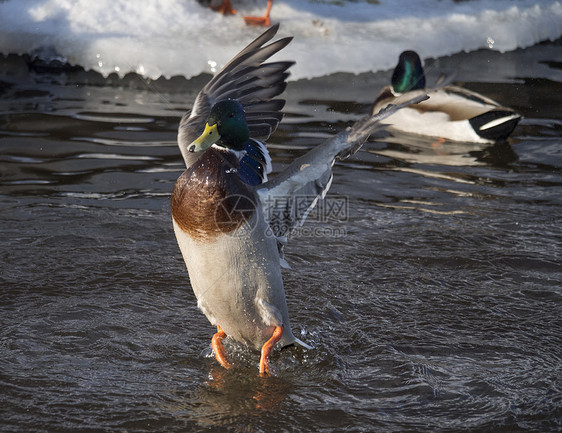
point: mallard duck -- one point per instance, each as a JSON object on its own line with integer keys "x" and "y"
{"x": 450, "y": 113}
{"x": 226, "y": 8}
{"x": 230, "y": 221}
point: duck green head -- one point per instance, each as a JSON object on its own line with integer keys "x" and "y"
{"x": 226, "y": 126}
{"x": 408, "y": 74}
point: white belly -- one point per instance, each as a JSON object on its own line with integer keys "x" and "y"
{"x": 236, "y": 278}
{"x": 433, "y": 124}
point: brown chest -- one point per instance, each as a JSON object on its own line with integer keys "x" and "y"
{"x": 209, "y": 200}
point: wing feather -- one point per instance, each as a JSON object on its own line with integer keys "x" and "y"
{"x": 288, "y": 198}
{"x": 249, "y": 80}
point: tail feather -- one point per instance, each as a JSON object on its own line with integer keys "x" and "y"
{"x": 302, "y": 343}
{"x": 299, "y": 342}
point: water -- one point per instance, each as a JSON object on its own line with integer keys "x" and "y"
{"x": 433, "y": 305}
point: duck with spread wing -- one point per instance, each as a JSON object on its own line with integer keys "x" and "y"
{"x": 231, "y": 222}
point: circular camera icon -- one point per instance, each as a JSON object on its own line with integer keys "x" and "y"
{"x": 234, "y": 212}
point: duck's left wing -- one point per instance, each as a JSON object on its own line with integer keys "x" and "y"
{"x": 290, "y": 196}
{"x": 249, "y": 80}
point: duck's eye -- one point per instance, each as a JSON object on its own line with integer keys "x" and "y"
{"x": 231, "y": 115}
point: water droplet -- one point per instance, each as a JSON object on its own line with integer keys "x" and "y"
{"x": 490, "y": 41}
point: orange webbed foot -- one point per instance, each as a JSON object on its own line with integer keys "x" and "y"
{"x": 260, "y": 21}
{"x": 218, "y": 348}
{"x": 267, "y": 348}
{"x": 224, "y": 8}
{"x": 257, "y": 21}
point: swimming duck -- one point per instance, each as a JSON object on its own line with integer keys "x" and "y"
{"x": 450, "y": 113}
{"x": 226, "y": 8}
{"x": 230, "y": 221}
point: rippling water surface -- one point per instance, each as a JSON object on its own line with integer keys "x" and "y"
{"x": 433, "y": 302}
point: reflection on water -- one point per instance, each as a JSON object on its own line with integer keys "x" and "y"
{"x": 439, "y": 152}
{"x": 237, "y": 394}
{"x": 437, "y": 311}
